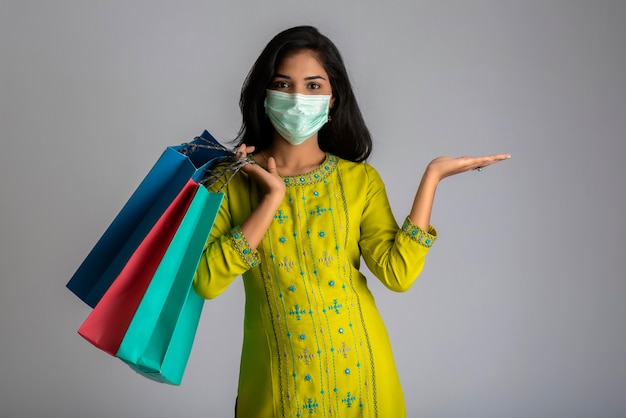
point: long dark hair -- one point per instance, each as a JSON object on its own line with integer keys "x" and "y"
{"x": 346, "y": 136}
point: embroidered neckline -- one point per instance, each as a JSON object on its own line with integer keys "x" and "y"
{"x": 316, "y": 175}
{"x": 321, "y": 172}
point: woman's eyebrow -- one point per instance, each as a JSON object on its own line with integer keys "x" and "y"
{"x": 313, "y": 77}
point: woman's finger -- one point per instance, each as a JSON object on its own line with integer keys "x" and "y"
{"x": 481, "y": 162}
{"x": 243, "y": 150}
{"x": 240, "y": 151}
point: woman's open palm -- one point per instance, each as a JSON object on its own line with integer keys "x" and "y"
{"x": 443, "y": 167}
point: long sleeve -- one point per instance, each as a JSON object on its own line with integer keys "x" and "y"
{"x": 394, "y": 254}
{"x": 227, "y": 253}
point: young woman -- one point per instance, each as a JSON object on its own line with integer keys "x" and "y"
{"x": 296, "y": 224}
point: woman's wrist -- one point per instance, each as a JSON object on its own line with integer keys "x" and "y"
{"x": 431, "y": 176}
{"x": 273, "y": 198}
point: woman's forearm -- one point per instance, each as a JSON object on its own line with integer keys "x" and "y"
{"x": 423, "y": 202}
{"x": 255, "y": 226}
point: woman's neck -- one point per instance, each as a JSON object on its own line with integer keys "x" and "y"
{"x": 292, "y": 160}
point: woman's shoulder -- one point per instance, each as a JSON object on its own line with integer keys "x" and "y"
{"x": 361, "y": 170}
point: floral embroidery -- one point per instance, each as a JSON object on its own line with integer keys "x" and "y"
{"x": 247, "y": 254}
{"x": 425, "y": 239}
{"x": 319, "y": 174}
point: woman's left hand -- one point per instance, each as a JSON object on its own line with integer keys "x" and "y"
{"x": 443, "y": 167}
{"x": 437, "y": 170}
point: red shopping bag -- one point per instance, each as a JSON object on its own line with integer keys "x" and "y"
{"x": 106, "y": 325}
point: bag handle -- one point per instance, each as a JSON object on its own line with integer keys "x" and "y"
{"x": 212, "y": 176}
{"x": 191, "y": 147}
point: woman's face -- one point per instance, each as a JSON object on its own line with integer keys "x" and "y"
{"x": 301, "y": 73}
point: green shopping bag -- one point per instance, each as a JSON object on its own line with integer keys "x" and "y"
{"x": 160, "y": 336}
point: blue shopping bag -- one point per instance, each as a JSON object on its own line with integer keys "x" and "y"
{"x": 165, "y": 180}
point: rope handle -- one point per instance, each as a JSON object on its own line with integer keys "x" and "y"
{"x": 193, "y": 147}
{"x": 216, "y": 174}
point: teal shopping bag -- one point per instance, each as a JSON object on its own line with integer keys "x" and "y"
{"x": 158, "y": 341}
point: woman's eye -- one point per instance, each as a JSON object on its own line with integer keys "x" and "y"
{"x": 314, "y": 86}
{"x": 281, "y": 85}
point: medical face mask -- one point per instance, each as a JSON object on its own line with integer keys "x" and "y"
{"x": 297, "y": 117}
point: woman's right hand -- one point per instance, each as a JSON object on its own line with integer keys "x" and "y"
{"x": 268, "y": 180}
{"x": 272, "y": 189}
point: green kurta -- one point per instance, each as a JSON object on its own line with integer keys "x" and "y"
{"x": 314, "y": 342}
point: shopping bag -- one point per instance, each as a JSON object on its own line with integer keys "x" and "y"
{"x": 155, "y": 193}
{"x": 158, "y": 341}
{"x": 107, "y": 323}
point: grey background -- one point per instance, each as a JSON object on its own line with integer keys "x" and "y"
{"x": 520, "y": 310}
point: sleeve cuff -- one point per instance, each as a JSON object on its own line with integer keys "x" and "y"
{"x": 241, "y": 246}
{"x": 417, "y": 234}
